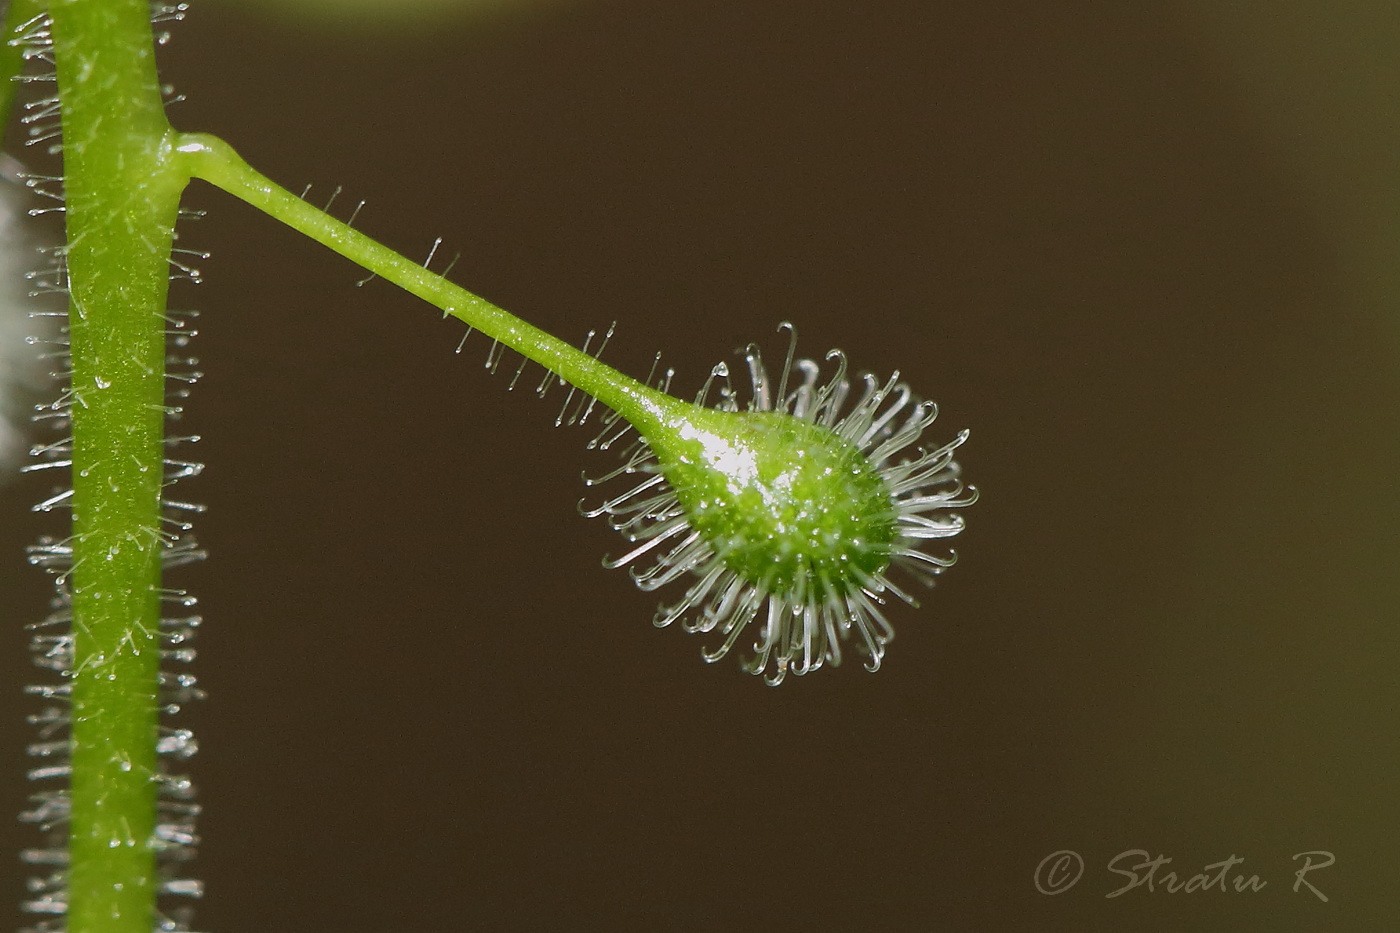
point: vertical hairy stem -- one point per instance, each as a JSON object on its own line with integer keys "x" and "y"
{"x": 122, "y": 200}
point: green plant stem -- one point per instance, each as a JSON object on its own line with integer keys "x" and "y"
{"x": 124, "y": 171}
{"x": 122, "y": 194}
{"x": 213, "y": 160}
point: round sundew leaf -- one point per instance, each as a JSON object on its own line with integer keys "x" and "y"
{"x": 786, "y": 516}
{"x": 781, "y": 500}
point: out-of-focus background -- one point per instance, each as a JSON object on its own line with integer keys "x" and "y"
{"x": 1147, "y": 254}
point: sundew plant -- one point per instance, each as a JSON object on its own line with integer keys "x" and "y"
{"x": 780, "y": 508}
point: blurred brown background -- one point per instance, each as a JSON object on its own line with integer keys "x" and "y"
{"x": 1146, "y": 255}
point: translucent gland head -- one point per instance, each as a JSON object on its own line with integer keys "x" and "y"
{"x": 785, "y": 504}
